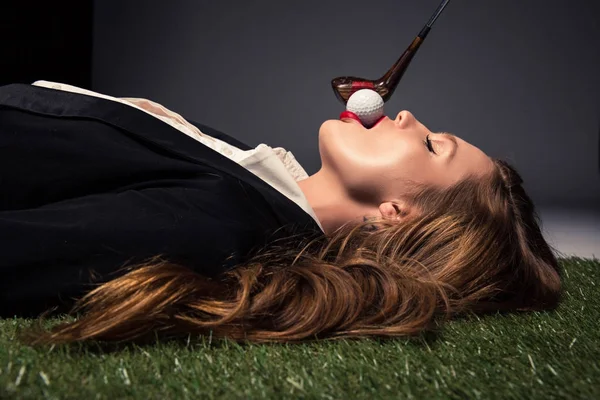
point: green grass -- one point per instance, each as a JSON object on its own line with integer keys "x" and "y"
{"x": 552, "y": 355}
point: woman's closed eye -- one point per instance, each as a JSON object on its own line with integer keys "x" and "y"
{"x": 427, "y": 143}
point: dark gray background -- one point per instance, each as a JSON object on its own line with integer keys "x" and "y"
{"x": 520, "y": 79}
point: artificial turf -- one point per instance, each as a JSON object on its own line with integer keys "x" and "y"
{"x": 547, "y": 355}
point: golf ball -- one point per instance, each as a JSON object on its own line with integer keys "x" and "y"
{"x": 367, "y": 104}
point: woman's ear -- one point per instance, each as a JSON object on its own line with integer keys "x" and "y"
{"x": 395, "y": 210}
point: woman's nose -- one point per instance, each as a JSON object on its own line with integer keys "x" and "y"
{"x": 404, "y": 119}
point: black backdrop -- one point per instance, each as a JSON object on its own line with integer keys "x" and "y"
{"x": 46, "y": 40}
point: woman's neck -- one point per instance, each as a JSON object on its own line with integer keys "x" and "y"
{"x": 330, "y": 202}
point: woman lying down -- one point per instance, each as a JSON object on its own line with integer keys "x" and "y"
{"x": 140, "y": 222}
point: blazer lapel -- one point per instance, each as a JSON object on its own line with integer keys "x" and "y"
{"x": 154, "y": 132}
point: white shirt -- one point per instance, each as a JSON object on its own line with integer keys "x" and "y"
{"x": 276, "y": 166}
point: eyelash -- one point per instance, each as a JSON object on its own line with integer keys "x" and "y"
{"x": 428, "y": 144}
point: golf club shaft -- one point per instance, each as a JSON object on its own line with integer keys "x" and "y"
{"x": 345, "y": 86}
{"x": 391, "y": 79}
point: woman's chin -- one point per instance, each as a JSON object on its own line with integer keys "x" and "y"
{"x": 330, "y": 125}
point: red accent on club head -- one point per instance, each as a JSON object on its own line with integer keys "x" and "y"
{"x": 356, "y": 85}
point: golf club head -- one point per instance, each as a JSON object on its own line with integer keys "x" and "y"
{"x": 345, "y": 86}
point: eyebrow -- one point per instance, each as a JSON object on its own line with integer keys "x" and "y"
{"x": 453, "y": 140}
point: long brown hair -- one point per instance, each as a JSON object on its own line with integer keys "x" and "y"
{"x": 473, "y": 247}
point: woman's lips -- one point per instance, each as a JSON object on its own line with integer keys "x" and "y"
{"x": 349, "y": 116}
{"x": 352, "y": 117}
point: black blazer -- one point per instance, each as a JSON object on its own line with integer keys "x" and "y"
{"x": 89, "y": 185}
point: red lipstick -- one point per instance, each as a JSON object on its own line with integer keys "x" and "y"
{"x": 350, "y": 115}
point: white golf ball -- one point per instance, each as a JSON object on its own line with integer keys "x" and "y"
{"x": 367, "y": 104}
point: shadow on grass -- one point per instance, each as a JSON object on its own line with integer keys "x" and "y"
{"x": 152, "y": 340}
